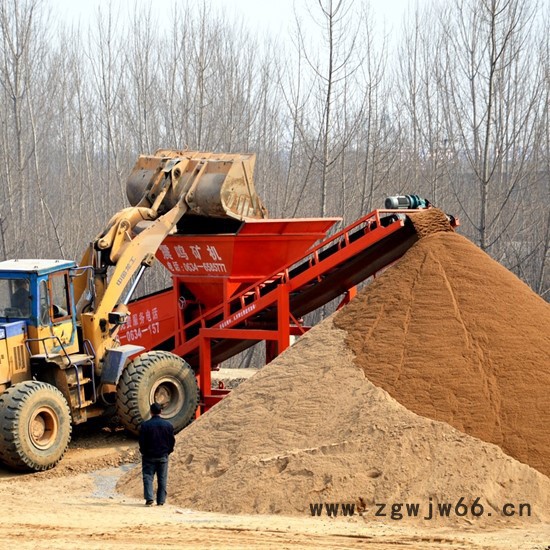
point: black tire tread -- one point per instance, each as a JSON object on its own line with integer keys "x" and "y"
{"x": 131, "y": 379}
{"x": 11, "y": 402}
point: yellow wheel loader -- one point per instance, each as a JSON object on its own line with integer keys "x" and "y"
{"x": 60, "y": 360}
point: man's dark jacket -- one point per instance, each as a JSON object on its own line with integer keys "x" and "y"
{"x": 156, "y": 438}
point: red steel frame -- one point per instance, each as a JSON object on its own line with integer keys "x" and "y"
{"x": 270, "y": 310}
{"x": 250, "y": 302}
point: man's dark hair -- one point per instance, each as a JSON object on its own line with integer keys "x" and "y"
{"x": 155, "y": 408}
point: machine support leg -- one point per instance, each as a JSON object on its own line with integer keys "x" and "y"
{"x": 205, "y": 376}
{"x": 283, "y": 319}
{"x": 270, "y": 350}
{"x": 348, "y": 296}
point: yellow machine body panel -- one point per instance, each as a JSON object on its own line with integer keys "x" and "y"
{"x": 48, "y": 339}
{"x": 14, "y": 357}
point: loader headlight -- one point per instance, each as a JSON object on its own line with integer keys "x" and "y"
{"x": 2, "y": 333}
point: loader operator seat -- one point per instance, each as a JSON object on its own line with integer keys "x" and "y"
{"x": 59, "y": 295}
{"x": 20, "y": 298}
{"x": 59, "y": 312}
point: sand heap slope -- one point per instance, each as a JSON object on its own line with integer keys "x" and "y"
{"x": 310, "y": 428}
{"x": 447, "y": 331}
{"x": 454, "y": 336}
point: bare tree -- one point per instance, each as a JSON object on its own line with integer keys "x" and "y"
{"x": 105, "y": 52}
{"x": 142, "y": 81}
{"x": 492, "y": 93}
{"x": 29, "y": 83}
{"x": 329, "y": 119}
{"x": 375, "y": 149}
{"x": 421, "y": 70}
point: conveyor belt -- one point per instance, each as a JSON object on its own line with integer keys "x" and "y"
{"x": 335, "y": 266}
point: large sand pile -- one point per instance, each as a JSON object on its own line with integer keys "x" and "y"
{"x": 311, "y": 428}
{"x": 454, "y": 336}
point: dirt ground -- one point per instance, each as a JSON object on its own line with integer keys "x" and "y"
{"x": 76, "y": 505}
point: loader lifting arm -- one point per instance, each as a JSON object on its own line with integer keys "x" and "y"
{"x": 162, "y": 189}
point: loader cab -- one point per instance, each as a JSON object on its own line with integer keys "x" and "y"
{"x": 37, "y": 294}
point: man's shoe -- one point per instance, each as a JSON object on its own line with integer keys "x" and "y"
{"x": 149, "y": 503}
{"x": 160, "y": 503}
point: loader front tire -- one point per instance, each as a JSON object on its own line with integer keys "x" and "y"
{"x": 35, "y": 426}
{"x": 162, "y": 377}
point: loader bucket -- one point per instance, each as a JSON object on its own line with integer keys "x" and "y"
{"x": 212, "y": 185}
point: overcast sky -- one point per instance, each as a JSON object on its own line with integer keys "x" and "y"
{"x": 274, "y": 16}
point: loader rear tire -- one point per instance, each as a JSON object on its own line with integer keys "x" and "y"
{"x": 162, "y": 377}
{"x": 35, "y": 426}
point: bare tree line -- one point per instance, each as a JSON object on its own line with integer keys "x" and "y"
{"x": 455, "y": 109}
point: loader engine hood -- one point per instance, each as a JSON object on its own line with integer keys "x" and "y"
{"x": 13, "y": 351}
{"x": 13, "y": 328}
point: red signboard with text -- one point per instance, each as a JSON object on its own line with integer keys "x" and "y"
{"x": 152, "y": 320}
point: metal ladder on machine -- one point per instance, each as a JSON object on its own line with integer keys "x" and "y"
{"x": 78, "y": 373}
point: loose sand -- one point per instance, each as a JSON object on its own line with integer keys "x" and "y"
{"x": 452, "y": 336}
{"x": 75, "y": 505}
{"x": 311, "y": 428}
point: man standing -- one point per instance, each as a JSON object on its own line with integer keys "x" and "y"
{"x": 156, "y": 442}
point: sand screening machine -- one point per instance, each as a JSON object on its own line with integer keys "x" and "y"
{"x": 237, "y": 282}
{"x": 77, "y": 346}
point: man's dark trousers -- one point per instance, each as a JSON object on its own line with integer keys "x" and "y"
{"x": 150, "y": 467}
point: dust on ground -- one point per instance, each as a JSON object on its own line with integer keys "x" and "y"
{"x": 81, "y": 508}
